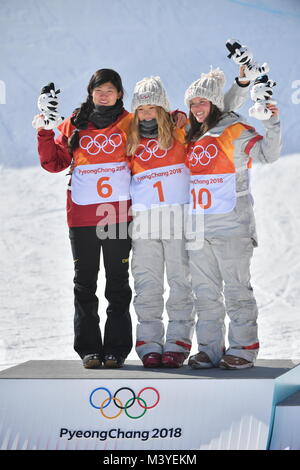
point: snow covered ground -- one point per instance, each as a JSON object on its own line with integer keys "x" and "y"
{"x": 36, "y": 273}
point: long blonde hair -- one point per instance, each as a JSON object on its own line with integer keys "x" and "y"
{"x": 166, "y": 129}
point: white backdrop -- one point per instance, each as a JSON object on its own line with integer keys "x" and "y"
{"x": 65, "y": 41}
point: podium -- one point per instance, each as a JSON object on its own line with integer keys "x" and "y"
{"x": 59, "y": 405}
{"x": 286, "y": 435}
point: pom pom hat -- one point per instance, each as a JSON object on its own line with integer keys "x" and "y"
{"x": 150, "y": 91}
{"x": 210, "y": 86}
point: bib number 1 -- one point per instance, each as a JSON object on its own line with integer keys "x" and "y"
{"x": 158, "y": 186}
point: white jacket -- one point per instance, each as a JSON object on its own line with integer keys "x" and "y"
{"x": 240, "y": 221}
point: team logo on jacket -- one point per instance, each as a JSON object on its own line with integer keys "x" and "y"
{"x": 101, "y": 142}
{"x": 145, "y": 152}
{"x": 203, "y": 156}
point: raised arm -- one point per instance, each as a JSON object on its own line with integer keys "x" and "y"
{"x": 237, "y": 95}
{"x": 267, "y": 149}
{"x": 54, "y": 154}
{"x": 264, "y": 149}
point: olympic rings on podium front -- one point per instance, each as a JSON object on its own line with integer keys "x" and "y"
{"x": 112, "y": 398}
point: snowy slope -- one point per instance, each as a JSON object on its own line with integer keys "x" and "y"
{"x": 36, "y": 274}
{"x": 276, "y": 265}
{"x": 65, "y": 41}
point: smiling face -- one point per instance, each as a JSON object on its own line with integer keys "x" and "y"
{"x": 146, "y": 112}
{"x": 105, "y": 95}
{"x": 200, "y": 108}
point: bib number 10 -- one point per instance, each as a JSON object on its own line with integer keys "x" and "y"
{"x": 203, "y": 198}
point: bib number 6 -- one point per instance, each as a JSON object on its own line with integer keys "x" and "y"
{"x": 104, "y": 189}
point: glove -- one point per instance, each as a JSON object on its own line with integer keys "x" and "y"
{"x": 48, "y": 122}
{"x": 260, "y": 111}
{"x": 47, "y": 104}
{"x": 38, "y": 121}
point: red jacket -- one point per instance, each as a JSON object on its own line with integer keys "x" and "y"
{"x": 54, "y": 157}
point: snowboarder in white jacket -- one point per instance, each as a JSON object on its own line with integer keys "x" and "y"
{"x": 221, "y": 147}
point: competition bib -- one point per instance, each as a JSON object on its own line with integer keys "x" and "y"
{"x": 160, "y": 176}
{"x": 213, "y": 175}
{"x": 101, "y": 173}
{"x": 160, "y": 186}
{"x": 99, "y": 183}
{"x": 213, "y": 194}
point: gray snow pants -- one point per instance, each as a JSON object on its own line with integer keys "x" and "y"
{"x": 150, "y": 257}
{"x": 221, "y": 270}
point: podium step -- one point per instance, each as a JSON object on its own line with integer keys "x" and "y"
{"x": 60, "y": 405}
{"x": 286, "y": 433}
{"x": 73, "y": 369}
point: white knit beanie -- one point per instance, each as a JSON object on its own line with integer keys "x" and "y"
{"x": 150, "y": 90}
{"x": 210, "y": 86}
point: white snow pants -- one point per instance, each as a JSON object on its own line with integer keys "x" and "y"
{"x": 150, "y": 257}
{"x": 221, "y": 269}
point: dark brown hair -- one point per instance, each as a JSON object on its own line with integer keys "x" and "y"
{"x": 197, "y": 129}
{"x": 81, "y": 118}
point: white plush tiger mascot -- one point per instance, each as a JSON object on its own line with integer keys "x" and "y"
{"x": 242, "y": 55}
{"x": 261, "y": 93}
{"x": 47, "y": 104}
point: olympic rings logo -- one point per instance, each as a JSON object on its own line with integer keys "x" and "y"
{"x": 145, "y": 152}
{"x": 100, "y": 142}
{"x": 203, "y": 155}
{"x": 113, "y": 399}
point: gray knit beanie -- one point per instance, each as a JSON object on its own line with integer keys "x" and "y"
{"x": 150, "y": 90}
{"x": 210, "y": 86}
